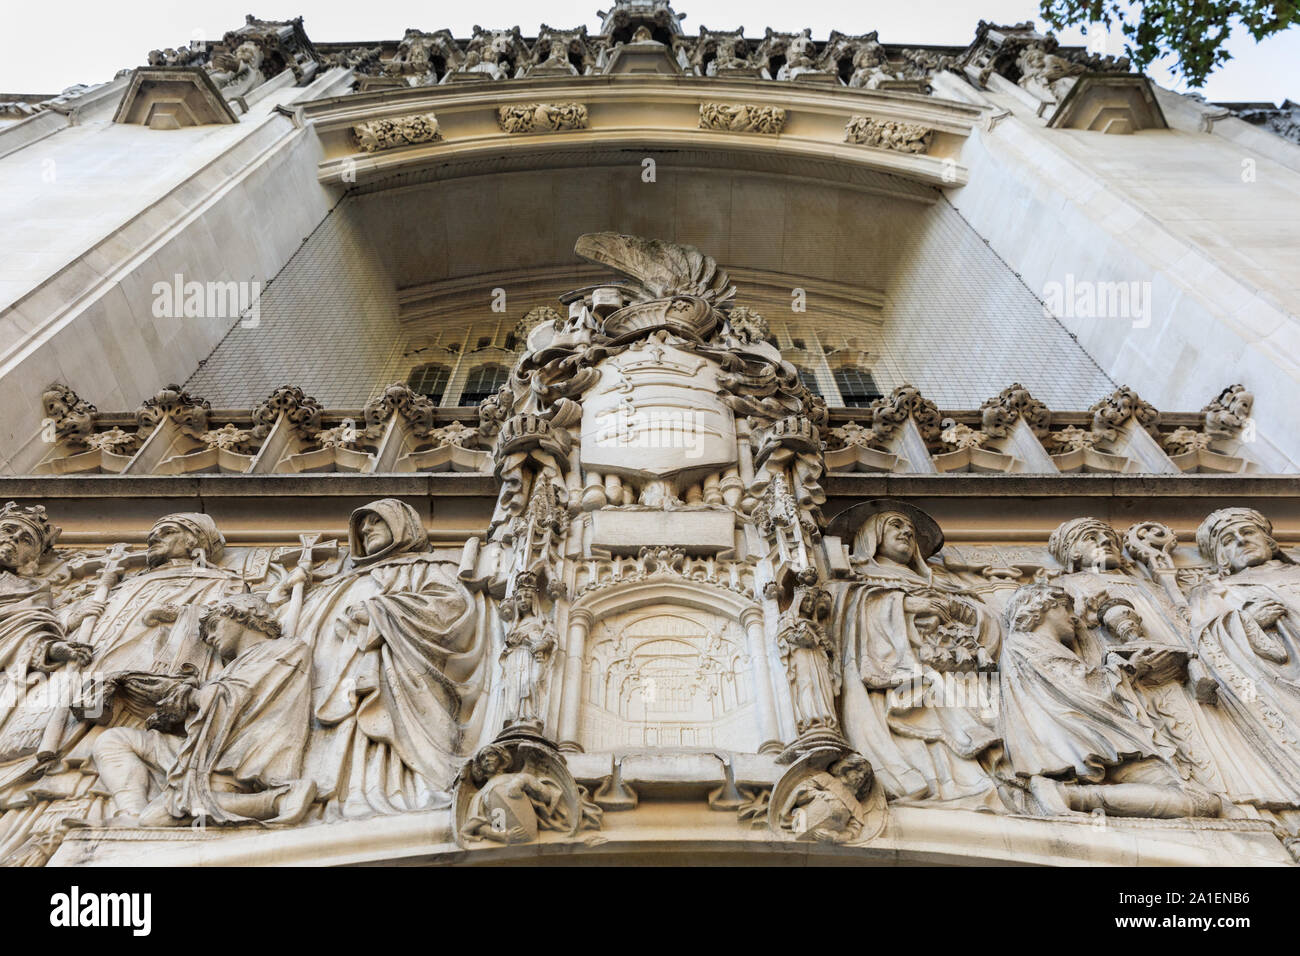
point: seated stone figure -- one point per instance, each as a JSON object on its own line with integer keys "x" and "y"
{"x": 510, "y": 807}
{"x": 1067, "y": 728}
{"x": 826, "y": 807}
{"x": 245, "y": 732}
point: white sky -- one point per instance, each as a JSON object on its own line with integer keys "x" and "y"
{"x": 45, "y": 47}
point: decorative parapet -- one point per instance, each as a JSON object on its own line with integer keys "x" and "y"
{"x": 201, "y": 84}
{"x": 888, "y": 134}
{"x": 998, "y": 414}
{"x": 889, "y": 413}
{"x": 562, "y": 53}
{"x": 742, "y": 118}
{"x": 1121, "y": 405}
{"x": 1283, "y": 120}
{"x": 399, "y": 430}
{"x": 542, "y": 117}
{"x": 1229, "y": 413}
{"x": 375, "y": 135}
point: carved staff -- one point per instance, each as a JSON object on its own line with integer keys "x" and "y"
{"x": 306, "y": 559}
{"x": 52, "y": 739}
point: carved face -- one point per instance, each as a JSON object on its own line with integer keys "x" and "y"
{"x": 897, "y": 539}
{"x": 1097, "y": 546}
{"x": 855, "y": 776}
{"x": 1241, "y": 545}
{"x": 490, "y": 762}
{"x": 19, "y": 546}
{"x": 1058, "y": 620}
{"x": 170, "y": 542}
{"x": 224, "y": 635}
{"x": 375, "y": 533}
{"x": 249, "y": 53}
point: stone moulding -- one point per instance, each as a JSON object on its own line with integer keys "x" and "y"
{"x": 1109, "y": 103}
{"x": 542, "y": 117}
{"x": 888, "y": 134}
{"x": 389, "y": 133}
{"x": 742, "y": 118}
{"x": 167, "y": 97}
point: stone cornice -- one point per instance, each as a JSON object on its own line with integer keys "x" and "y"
{"x": 642, "y": 112}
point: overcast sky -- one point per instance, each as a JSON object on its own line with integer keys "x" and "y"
{"x": 45, "y": 47}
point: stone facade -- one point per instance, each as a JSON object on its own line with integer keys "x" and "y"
{"x": 624, "y": 566}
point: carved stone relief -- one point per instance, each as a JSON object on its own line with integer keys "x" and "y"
{"x": 888, "y": 134}
{"x": 542, "y": 117}
{"x": 744, "y": 118}
{"x": 375, "y": 135}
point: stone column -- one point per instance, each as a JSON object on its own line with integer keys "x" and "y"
{"x": 580, "y": 621}
{"x": 751, "y": 619}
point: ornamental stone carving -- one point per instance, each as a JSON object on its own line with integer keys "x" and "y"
{"x": 653, "y": 610}
{"x": 743, "y": 118}
{"x": 542, "y": 117}
{"x": 373, "y": 136}
{"x": 888, "y": 134}
{"x": 1068, "y": 729}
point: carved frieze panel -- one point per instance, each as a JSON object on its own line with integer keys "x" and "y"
{"x": 373, "y": 136}
{"x": 742, "y": 118}
{"x": 542, "y": 117}
{"x": 888, "y": 134}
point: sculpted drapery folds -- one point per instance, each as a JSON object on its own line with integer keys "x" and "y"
{"x": 912, "y": 639}
{"x": 1247, "y": 620}
{"x": 1070, "y": 730}
{"x": 245, "y": 732}
{"x": 398, "y": 667}
{"x": 146, "y": 624}
{"x": 32, "y": 639}
{"x": 1135, "y": 619}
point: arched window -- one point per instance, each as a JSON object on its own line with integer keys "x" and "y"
{"x": 857, "y": 387}
{"x": 809, "y": 380}
{"x": 429, "y": 380}
{"x": 483, "y": 383}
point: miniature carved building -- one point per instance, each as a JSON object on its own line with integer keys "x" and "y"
{"x": 620, "y": 441}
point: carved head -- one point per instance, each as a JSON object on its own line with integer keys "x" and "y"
{"x": 869, "y": 523}
{"x": 1086, "y": 543}
{"x": 1233, "y": 539}
{"x": 230, "y": 626}
{"x": 855, "y": 772}
{"x": 488, "y": 762}
{"x": 376, "y": 536}
{"x": 1044, "y": 607}
{"x": 250, "y": 53}
{"x": 383, "y": 529}
{"x": 178, "y": 536}
{"x": 896, "y": 537}
{"x": 869, "y": 55}
{"x": 26, "y": 535}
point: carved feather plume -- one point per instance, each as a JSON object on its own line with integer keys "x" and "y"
{"x": 662, "y": 269}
